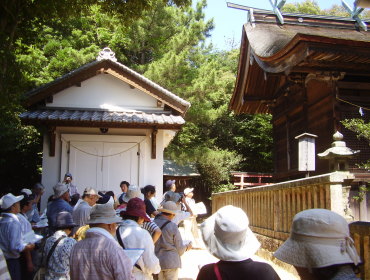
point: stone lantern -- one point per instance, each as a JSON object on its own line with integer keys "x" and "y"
{"x": 338, "y": 154}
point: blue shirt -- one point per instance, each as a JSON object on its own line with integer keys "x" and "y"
{"x": 11, "y": 236}
{"x": 54, "y": 208}
{"x": 33, "y": 215}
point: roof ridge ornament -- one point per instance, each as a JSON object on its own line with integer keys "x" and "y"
{"x": 107, "y": 53}
{"x": 355, "y": 12}
{"x": 276, "y": 9}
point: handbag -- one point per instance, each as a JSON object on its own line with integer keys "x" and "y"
{"x": 41, "y": 271}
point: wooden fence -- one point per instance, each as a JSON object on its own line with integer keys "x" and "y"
{"x": 271, "y": 208}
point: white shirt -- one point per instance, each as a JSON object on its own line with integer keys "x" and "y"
{"x": 133, "y": 236}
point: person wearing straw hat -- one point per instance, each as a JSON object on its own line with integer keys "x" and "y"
{"x": 170, "y": 246}
{"x": 131, "y": 235}
{"x": 228, "y": 237}
{"x": 59, "y": 204}
{"x": 59, "y": 245}
{"x": 320, "y": 246}
{"x": 99, "y": 256}
{"x": 11, "y": 234}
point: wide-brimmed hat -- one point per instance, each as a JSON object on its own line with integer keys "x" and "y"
{"x": 60, "y": 189}
{"x": 9, "y": 199}
{"x": 188, "y": 190}
{"x": 318, "y": 238}
{"x": 132, "y": 192}
{"x": 104, "y": 214}
{"x": 169, "y": 207}
{"x": 136, "y": 207}
{"x": 172, "y": 196}
{"x": 227, "y": 235}
{"x": 169, "y": 183}
{"x": 64, "y": 220}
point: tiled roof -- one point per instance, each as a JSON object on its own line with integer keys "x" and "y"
{"x": 108, "y": 118}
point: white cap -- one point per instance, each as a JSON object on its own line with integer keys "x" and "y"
{"x": 26, "y": 191}
{"x": 9, "y": 199}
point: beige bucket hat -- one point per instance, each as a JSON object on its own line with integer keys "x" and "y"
{"x": 104, "y": 214}
{"x": 227, "y": 235}
{"x": 318, "y": 238}
{"x": 132, "y": 192}
{"x": 169, "y": 207}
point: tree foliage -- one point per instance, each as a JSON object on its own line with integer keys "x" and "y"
{"x": 167, "y": 44}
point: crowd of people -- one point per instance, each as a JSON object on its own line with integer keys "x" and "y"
{"x": 97, "y": 236}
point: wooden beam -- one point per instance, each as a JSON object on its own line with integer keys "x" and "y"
{"x": 154, "y": 143}
{"x": 353, "y": 85}
{"x": 52, "y": 136}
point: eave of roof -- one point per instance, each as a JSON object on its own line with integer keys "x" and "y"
{"x": 269, "y": 52}
{"x": 99, "y": 118}
{"x": 114, "y": 68}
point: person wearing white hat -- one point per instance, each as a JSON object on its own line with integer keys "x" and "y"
{"x": 59, "y": 204}
{"x": 99, "y": 256}
{"x": 320, "y": 246}
{"x": 228, "y": 237}
{"x": 81, "y": 213}
{"x": 170, "y": 246}
{"x": 191, "y": 231}
{"x": 11, "y": 234}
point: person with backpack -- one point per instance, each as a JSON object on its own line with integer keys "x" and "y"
{"x": 130, "y": 235}
{"x": 170, "y": 247}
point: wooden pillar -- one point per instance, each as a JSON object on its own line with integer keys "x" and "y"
{"x": 154, "y": 143}
{"x": 52, "y": 136}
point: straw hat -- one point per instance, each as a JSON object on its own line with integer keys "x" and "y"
{"x": 136, "y": 207}
{"x": 104, "y": 214}
{"x": 91, "y": 191}
{"x": 227, "y": 235}
{"x": 60, "y": 189}
{"x": 318, "y": 238}
{"x": 9, "y": 199}
{"x": 169, "y": 207}
{"x": 132, "y": 192}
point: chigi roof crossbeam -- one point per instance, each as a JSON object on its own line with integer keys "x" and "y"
{"x": 255, "y": 16}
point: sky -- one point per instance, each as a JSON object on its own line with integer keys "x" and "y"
{"x": 229, "y": 22}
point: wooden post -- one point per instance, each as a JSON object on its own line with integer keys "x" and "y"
{"x": 52, "y": 137}
{"x": 154, "y": 143}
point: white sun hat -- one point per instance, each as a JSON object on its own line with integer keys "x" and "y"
{"x": 104, "y": 214}
{"x": 132, "y": 192}
{"x": 9, "y": 199}
{"x": 318, "y": 238}
{"x": 188, "y": 190}
{"x": 227, "y": 235}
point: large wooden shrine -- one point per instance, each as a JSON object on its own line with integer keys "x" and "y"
{"x": 310, "y": 73}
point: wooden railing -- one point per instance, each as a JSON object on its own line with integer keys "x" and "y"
{"x": 271, "y": 208}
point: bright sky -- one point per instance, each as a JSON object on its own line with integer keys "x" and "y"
{"x": 229, "y": 22}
